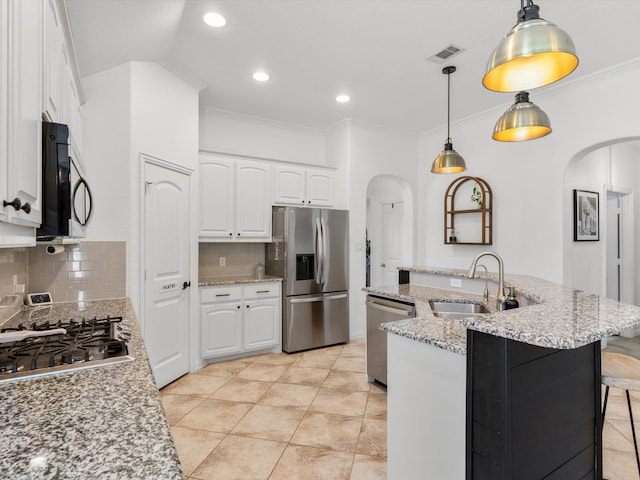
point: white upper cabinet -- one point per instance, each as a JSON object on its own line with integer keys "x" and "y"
{"x": 303, "y": 186}
{"x": 217, "y": 197}
{"x": 320, "y": 187}
{"x": 234, "y": 199}
{"x": 61, "y": 96}
{"x": 253, "y": 208}
{"x": 21, "y": 72}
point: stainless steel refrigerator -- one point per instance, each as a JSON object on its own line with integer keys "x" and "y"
{"x": 310, "y": 250}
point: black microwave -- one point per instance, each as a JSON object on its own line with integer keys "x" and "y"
{"x": 66, "y": 197}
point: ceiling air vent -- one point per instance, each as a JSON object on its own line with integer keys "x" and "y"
{"x": 446, "y": 53}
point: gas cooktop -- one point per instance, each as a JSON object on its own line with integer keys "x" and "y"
{"x": 48, "y": 348}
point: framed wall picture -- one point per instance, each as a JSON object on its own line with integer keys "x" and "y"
{"x": 586, "y": 216}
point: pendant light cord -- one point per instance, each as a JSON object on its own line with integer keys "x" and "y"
{"x": 448, "y": 106}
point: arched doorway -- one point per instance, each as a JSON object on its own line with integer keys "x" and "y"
{"x": 610, "y": 266}
{"x": 389, "y": 229}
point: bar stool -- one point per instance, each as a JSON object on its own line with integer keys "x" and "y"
{"x": 621, "y": 371}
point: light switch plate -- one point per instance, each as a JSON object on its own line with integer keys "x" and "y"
{"x": 223, "y": 261}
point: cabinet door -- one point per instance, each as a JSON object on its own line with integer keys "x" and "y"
{"x": 52, "y": 63}
{"x": 217, "y": 197}
{"x": 24, "y": 84}
{"x": 290, "y": 185}
{"x": 253, "y": 206}
{"x": 220, "y": 329}
{"x": 320, "y": 187}
{"x": 261, "y": 323}
{"x": 4, "y": 117}
{"x": 21, "y": 30}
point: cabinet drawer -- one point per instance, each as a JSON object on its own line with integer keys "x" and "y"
{"x": 261, "y": 290}
{"x": 220, "y": 294}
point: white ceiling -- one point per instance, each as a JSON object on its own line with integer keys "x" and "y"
{"x": 374, "y": 50}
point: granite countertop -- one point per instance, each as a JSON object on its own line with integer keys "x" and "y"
{"x": 425, "y": 327}
{"x": 235, "y": 279}
{"x": 101, "y": 423}
{"x": 561, "y": 317}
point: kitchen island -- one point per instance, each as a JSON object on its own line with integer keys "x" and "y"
{"x": 533, "y": 373}
{"x": 99, "y": 423}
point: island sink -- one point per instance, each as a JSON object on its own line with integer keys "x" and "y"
{"x": 456, "y": 310}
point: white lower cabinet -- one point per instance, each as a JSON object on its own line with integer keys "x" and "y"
{"x": 240, "y": 319}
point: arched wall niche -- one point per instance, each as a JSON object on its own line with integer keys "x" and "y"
{"x": 384, "y": 193}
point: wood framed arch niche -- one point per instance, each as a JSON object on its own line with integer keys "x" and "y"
{"x": 468, "y": 212}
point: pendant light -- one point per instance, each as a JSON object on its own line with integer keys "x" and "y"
{"x": 449, "y": 161}
{"x": 534, "y": 53}
{"x": 522, "y": 121}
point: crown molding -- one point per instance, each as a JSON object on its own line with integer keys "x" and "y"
{"x": 181, "y": 72}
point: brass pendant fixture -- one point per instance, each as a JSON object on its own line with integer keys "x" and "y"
{"x": 522, "y": 121}
{"x": 534, "y": 53}
{"x": 448, "y": 161}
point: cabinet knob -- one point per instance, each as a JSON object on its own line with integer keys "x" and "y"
{"x": 16, "y": 204}
{"x": 186, "y": 285}
{"x": 230, "y": 234}
{"x": 26, "y": 208}
{"x": 247, "y": 306}
{"x": 238, "y": 307}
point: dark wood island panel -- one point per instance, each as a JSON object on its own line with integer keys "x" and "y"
{"x": 532, "y": 412}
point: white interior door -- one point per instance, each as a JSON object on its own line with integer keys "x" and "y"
{"x": 392, "y": 218}
{"x": 166, "y": 258}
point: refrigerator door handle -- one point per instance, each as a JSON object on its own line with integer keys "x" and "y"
{"x": 318, "y": 299}
{"x": 325, "y": 252}
{"x": 319, "y": 252}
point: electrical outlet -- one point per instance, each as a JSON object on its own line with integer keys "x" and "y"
{"x": 20, "y": 288}
{"x": 223, "y": 261}
{"x": 455, "y": 282}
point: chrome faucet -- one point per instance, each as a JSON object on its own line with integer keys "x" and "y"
{"x": 471, "y": 273}
{"x": 485, "y": 294}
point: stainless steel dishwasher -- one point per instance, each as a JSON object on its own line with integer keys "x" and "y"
{"x": 381, "y": 310}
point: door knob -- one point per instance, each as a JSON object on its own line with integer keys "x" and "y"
{"x": 186, "y": 285}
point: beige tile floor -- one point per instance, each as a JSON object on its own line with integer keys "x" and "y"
{"x": 619, "y": 460}
{"x": 312, "y": 416}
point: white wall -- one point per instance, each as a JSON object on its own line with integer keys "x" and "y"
{"x": 372, "y": 152}
{"x": 107, "y": 150}
{"x": 226, "y": 132}
{"x": 135, "y": 108}
{"x": 530, "y": 218}
{"x": 584, "y": 261}
{"x": 614, "y": 165}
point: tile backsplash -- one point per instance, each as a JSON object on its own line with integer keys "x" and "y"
{"x": 84, "y": 271}
{"x": 13, "y": 269}
{"x": 239, "y": 259}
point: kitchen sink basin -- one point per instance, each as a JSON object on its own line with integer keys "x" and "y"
{"x": 456, "y": 310}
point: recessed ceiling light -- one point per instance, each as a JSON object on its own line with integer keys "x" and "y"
{"x": 214, "y": 19}
{"x": 261, "y": 76}
{"x": 343, "y": 98}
